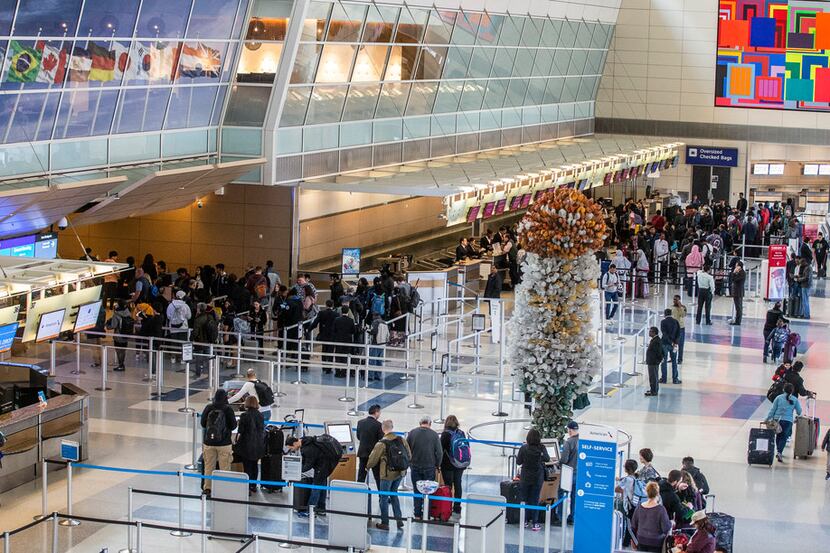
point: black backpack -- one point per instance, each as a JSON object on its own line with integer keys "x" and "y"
{"x": 776, "y": 389}
{"x": 274, "y": 440}
{"x": 330, "y": 448}
{"x": 264, "y": 394}
{"x": 127, "y": 325}
{"x": 397, "y": 456}
{"x": 216, "y": 431}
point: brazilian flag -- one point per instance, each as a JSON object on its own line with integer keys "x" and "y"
{"x": 24, "y": 63}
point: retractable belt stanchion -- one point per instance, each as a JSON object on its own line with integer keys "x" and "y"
{"x": 69, "y": 521}
{"x": 500, "y": 412}
{"x": 55, "y": 532}
{"x": 194, "y": 460}
{"x": 53, "y": 354}
{"x": 278, "y": 392}
{"x": 290, "y": 537}
{"x": 7, "y": 546}
{"x": 621, "y": 308}
{"x": 355, "y": 411}
{"x": 203, "y": 521}
{"x": 415, "y": 404}
{"x": 44, "y": 492}
{"x": 238, "y": 356}
{"x": 181, "y": 533}
{"x": 425, "y": 526}
{"x": 159, "y": 373}
{"x": 346, "y": 397}
{"x": 78, "y": 369}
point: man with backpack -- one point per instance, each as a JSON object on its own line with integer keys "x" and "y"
{"x": 570, "y": 450}
{"x": 178, "y": 315}
{"x": 320, "y": 453}
{"x": 393, "y": 455}
{"x": 122, "y": 324}
{"x": 258, "y": 388}
{"x": 218, "y": 423}
{"x": 205, "y": 331}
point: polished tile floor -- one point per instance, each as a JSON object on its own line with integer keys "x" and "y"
{"x": 708, "y": 417}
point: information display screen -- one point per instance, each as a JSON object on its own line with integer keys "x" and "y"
{"x": 42, "y": 246}
{"x": 489, "y": 207}
{"x": 811, "y": 169}
{"x": 760, "y": 169}
{"x": 776, "y": 169}
{"x": 87, "y": 316}
{"x": 472, "y": 214}
{"x": 49, "y": 325}
{"x": 516, "y": 201}
{"x": 500, "y": 205}
{"x": 526, "y": 200}
{"x": 340, "y": 432}
{"x": 7, "y": 334}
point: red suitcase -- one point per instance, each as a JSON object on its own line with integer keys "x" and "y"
{"x": 440, "y": 510}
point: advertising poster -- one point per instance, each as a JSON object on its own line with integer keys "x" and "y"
{"x": 777, "y": 278}
{"x": 350, "y": 261}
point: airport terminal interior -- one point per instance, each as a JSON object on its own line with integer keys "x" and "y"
{"x": 410, "y": 275}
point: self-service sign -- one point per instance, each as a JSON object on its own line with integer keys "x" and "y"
{"x": 594, "y": 508}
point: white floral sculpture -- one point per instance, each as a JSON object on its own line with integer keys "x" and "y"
{"x": 552, "y": 347}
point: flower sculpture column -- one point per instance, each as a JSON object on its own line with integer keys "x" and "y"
{"x": 552, "y": 347}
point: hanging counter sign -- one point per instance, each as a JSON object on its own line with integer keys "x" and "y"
{"x": 594, "y": 509}
{"x": 712, "y": 156}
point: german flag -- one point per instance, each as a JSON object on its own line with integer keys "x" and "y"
{"x": 103, "y": 63}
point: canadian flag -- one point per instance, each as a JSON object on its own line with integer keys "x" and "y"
{"x": 52, "y": 65}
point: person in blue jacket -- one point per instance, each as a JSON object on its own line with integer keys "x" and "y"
{"x": 782, "y": 411}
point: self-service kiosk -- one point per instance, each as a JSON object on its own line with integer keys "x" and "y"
{"x": 347, "y": 467}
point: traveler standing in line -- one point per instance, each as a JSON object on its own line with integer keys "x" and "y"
{"x": 425, "y": 446}
{"x": 149, "y": 267}
{"x": 782, "y": 411}
{"x": 650, "y": 522}
{"x": 647, "y": 473}
{"x": 110, "y": 289}
{"x": 205, "y": 332}
{"x": 820, "y": 248}
{"x": 532, "y": 457}
{"x": 703, "y": 540}
{"x": 700, "y": 480}
{"x": 369, "y": 433}
{"x": 568, "y": 456}
{"x": 705, "y": 289}
{"x": 805, "y": 283}
{"x": 610, "y": 283}
{"x": 771, "y": 322}
{"x": 693, "y": 263}
{"x": 379, "y": 332}
{"x": 336, "y": 288}
{"x": 218, "y": 422}
{"x": 122, "y": 324}
{"x": 492, "y": 289}
{"x": 258, "y": 317}
{"x": 679, "y": 311}
{"x": 344, "y": 334}
{"x": 250, "y": 439}
{"x": 456, "y": 457}
{"x": 178, "y": 314}
{"x": 737, "y": 282}
{"x": 654, "y": 356}
{"x": 321, "y": 455}
{"x": 670, "y": 340}
{"x": 140, "y": 287}
{"x": 392, "y": 455}
{"x": 325, "y": 322}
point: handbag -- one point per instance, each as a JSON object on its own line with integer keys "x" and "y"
{"x": 550, "y": 471}
{"x": 773, "y": 424}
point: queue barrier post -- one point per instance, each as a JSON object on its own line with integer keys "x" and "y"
{"x": 194, "y": 459}
{"x": 456, "y": 537}
{"x": 408, "y": 537}
{"x": 78, "y": 369}
{"x": 425, "y": 526}
{"x": 138, "y": 536}
{"x": 484, "y": 539}
{"x": 346, "y": 398}
{"x": 69, "y": 521}
{"x": 104, "y": 364}
{"x": 440, "y": 419}
{"x": 44, "y": 492}
{"x": 53, "y": 356}
{"x": 7, "y": 547}
{"x": 355, "y": 411}
{"x": 621, "y": 306}
{"x": 522, "y": 518}
{"x": 238, "y": 374}
{"x": 279, "y": 392}
{"x": 130, "y": 520}
{"x": 256, "y": 543}
{"x": 159, "y": 373}
{"x": 548, "y": 514}
{"x": 290, "y": 537}
{"x": 187, "y": 408}
{"x": 415, "y": 404}
{"x": 181, "y": 533}
{"x": 203, "y": 521}
{"x": 55, "y": 532}
{"x": 311, "y": 525}
{"x": 566, "y": 504}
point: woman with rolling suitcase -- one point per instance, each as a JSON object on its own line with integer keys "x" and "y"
{"x": 782, "y": 411}
{"x": 532, "y": 457}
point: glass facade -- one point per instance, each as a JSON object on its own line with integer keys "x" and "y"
{"x": 76, "y": 69}
{"x": 434, "y": 72}
{"x": 149, "y": 79}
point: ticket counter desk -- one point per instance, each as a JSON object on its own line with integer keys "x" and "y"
{"x": 435, "y": 285}
{"x": 34, "y": 431}
{"x": 469, "y": 276}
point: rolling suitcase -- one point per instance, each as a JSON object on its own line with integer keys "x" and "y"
{"x": 724, "y": 526}
{"x": 761, "y": 446}
{"x": 272, "y": 462}
{"x": 806, "y": 432}
{"x": 440, "y": 510}
{"x": 301, "y": 495}
{"x": 510, "y": 492}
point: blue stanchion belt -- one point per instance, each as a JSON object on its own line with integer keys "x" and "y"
{"x": 315, "y": 487}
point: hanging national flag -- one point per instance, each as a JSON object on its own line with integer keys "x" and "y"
{"x": 52, "y": 65}
{"x": 200, "y": 61}
{"x": 122, "y": 60}
{"x": 80, "y": 65}
{"x": 163, "y": 60}
{"x": 103, "y": 63}
{"x": 24, "y": 63}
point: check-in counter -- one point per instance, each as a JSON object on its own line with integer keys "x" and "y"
{"x": 435, "y": 285}
{"x": 35, "y": 432}
{"x": 469, "y": 276}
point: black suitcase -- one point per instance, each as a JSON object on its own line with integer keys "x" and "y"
{"x": 301, "y": 495}
{"x": 756, "y": 456}
{"x": 794, "y": 306}
{"x": 724, "y": 526}
{"x": 510, "y": 492}
{"x": 271, "y": 471}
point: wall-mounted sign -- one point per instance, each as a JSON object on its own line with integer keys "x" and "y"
{"x": 713, "y": 156}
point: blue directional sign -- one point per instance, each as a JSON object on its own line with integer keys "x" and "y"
{"x": 712, "y": 156}
{"x": 595, "y": 472}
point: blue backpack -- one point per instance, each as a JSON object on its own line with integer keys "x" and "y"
{"x": 379, "y": 304}
{"x": 460, "y": 454}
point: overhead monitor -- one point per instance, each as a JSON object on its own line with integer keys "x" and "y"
{"x": 824, "y": 170}
{"x": 583, "y": 184}
{"x": 526, "y": 200}
{"x": 500, "y": 205}
{"x": 46, "y": 245}
{"x": 7, "y": 334}
{"x": 340, "y": 431}
{"x": 489, "y": 208}
{"x": 87, "y": 316}
{"x": 811, "y": 169}
{"x": 472, "y": 214}
{"x": 776, "y": 169}
{"x": 515, "y": 203}
{"x": 49, "y": 325}
{"x": 760, "y": 169}
{"x": 607, "y": 178}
